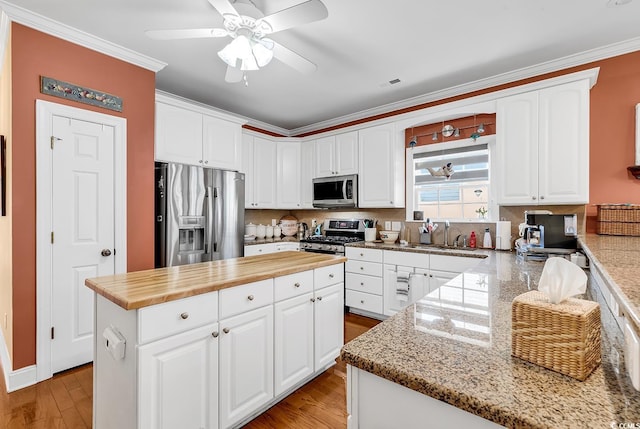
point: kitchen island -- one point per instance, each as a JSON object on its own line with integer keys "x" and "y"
{"x": 213, "y": 344}
{"x": 446, "y": 361}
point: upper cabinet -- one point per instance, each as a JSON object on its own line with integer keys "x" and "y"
{"x": 259, "y": 166}
{"x": 289, "y": 170}
{"x": 381, "y": 158}
{"x": 306, "y": 174}
{"x": 337, "y": 155}
{"x": 543, "y": 146}
{"x": 191, "y": 134}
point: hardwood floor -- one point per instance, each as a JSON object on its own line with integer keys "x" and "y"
{"x": 65, "y": 401}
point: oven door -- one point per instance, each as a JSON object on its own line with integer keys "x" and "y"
{"x": 325, "y": 251}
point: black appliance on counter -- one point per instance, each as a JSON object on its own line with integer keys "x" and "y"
{"x": 337, "y": 232}
{"x": 552, "y": 231}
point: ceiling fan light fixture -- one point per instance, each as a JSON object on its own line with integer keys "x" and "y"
{"x": 262, "y": 54}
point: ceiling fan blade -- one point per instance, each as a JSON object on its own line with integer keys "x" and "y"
{"x": 292, "y": 59}
{"x": 192, "y": 33}
{"x": 303, "y": 13}
{"x": 233, "y": 74}
{"x": 223, "y": 7}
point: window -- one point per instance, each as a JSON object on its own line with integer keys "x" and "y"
{"x": 464, "y": 195}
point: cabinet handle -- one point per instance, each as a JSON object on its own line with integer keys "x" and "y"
{"x": 313, "y": 300}
{"x": 206, "y": 162}
{"x": 296, "y": 285}
{"x": 184, "y": 315}
{"x": 215, "y": 334}
{"x": 319, "y": 298}
{"x": 225, "y": 330}
{"x": 200, "y": 161}
{"x": 250, "y": 297}
{"x": 330, "y": 276}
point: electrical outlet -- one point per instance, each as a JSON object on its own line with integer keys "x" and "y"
{"x": 387, "y": 225}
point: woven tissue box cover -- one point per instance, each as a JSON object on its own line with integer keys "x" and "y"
{"x": 562, "y": 337}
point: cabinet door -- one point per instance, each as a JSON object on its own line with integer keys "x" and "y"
{"x": 178, "y": 135}
{"x": 517, "y": 149}
{"x": 381, "y": 180}
{"x": 221, "y": 143}
{"x": 438, "y": 278}
{"x": 307, "y": 168}
{"x": 392, "y": 304}
{"x": 178, "y": 381}
{"x": 249, "y": 172}
{"x": 563, "y": 164}
{"x": 293, "y": 336}
{"x": 246, "y": 364}
{"x": 328, "y": 324}
{"x": 260, "y": 249}
{"x": 346, "y": 160}
{"x": 265, "y": 178}
{"x": 288, "y": 160}
{"x": 325, "y": 157}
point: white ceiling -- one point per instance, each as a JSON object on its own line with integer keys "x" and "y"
{"x": 430, "y": 46}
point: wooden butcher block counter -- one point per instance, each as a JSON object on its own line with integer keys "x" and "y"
{"x": 144, "y": 288}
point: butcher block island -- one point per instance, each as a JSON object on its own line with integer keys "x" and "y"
{"x": 213, "y": 345}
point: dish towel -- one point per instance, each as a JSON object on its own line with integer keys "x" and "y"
{"x": 402, "y": 285}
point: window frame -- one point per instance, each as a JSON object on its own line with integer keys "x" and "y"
{"x": 489, "y": 140}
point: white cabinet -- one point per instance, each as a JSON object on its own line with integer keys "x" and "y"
{"x": 289, "y": 187}
{"x": 178, "y": 380}
{"x": 259, "y": 164}
{"x": 307, "y": 168}
{"x": 263, "y": 249}
{"x": 329, "y": 324}
{"x": 191, "y": 134}
{"x": 381, "y": 161}
{"x": 337, "y": 155}
{"x": 543, "y": 146}
{"x": 246, "y": 364}
{"x": 363, "y": 280}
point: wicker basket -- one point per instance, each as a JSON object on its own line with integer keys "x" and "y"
{"x": 619, "y": 219}
{"x": 562, "y": 337}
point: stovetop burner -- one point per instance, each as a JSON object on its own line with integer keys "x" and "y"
{"x": 338, "y": 232}
{"x": 330, "y": 239}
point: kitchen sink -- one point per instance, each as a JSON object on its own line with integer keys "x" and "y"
{"x": 439, "y": 246}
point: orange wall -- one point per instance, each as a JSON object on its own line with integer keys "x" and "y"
{"x": 35, "y": 54}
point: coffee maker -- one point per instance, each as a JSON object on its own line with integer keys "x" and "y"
{"x": 550, "y": 231}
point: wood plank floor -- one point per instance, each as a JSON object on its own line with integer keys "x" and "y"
{"x": 65, "y": 401}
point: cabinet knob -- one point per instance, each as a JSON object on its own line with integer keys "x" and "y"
{"x": 430, "y": 275}
{"x": 362, "y": 301}
{"x": 542, "y": 197}
{"x": 361, "y": 283}
{"x": 390, "y": 202}
{"x": 319, "y": 298}
{"x": 259, "y": 250}
{"x": 533, "y": 198}
{"x": 330, "y": 276}
{"x": 225, "y": 330}
{"x": 313, "y": 300}
{"x": 215, "y": 334}
{"x": 361, "y": 268}
{"x": 250, "y": 297}
{"x": 362, "y": 254}
{"x": 296, "y": 285}
{"x": 200, "y": 161}
{"x": 184, "y": 315}
{"x": 206, "y": 162}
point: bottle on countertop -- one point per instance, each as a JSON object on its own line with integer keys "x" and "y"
{"x": 472, "y": 239}
{"x": 486, "y": 243}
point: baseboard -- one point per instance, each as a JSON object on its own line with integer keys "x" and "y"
{"x": 15, "y": 380}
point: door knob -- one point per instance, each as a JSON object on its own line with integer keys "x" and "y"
{"x": 106, "y": 252}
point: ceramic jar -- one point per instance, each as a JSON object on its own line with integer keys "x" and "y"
{"x": 250, "y": 229}
{"x": 277, "y": 232}
{"x": 261, "y": 231}
{"x": 269, "y": 231}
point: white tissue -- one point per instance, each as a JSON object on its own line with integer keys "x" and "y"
{"x": 561, "y": 279}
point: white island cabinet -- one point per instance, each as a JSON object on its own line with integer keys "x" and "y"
{"x": 219, "y": 358}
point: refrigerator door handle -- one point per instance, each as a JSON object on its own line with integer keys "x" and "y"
{"x": 209, "y": 234}
{"x": 216, "y": 219}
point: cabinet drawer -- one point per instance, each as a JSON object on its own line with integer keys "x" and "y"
{"x": 326, "y": 276}
{"x": 363, "y": 267}
{"x": 240, "y": 299}
{"x": 409, "y": 259}
{"x": 259, "y": 249}
{"x": 361, "y": 254}
{"x": 364, "y": 301}
{"x": 293, "y": 285}
{"x": 362, "y": 283}
{"x": 169, "y": 318}
{"x": 456, "y": 264}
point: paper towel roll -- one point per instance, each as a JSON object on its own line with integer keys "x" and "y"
{"x": 503, "y": 235}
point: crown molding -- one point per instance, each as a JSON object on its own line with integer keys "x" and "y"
{"x": 574, "y": 60}
{"x": 46, "y": 25}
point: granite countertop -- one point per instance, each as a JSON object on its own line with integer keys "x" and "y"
{"x": 423, "y": 248}
{"x": 617, "y": 258}
{"x": 143, "y": 288}
{"x": 455, "y": 345}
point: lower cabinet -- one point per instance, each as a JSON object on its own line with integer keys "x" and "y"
{"x": 169, "y": 370}
{"x": 329, "y": 324}
{"x": 246, "y": 364}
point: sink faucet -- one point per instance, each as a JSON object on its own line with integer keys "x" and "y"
{"x": 446, "y": 232}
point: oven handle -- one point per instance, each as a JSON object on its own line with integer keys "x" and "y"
{"x": 327, "y": 252}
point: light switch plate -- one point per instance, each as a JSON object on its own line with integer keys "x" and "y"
{"x": 632, "y": 354}
{"x": 396, "y": 226}
{"x": 387, "y": 225}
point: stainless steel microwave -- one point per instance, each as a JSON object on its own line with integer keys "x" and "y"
{"x": 335, "y": 192}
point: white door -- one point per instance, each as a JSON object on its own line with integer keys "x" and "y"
{"x": 179, "y": 381}
{"x": 221, "y": 143}
{"x": 246, "y": 364}
{"x": 347, "y": 153}
{"x": 293, "y": 335}
{"x": 288, "y": 164}
{"x": 377, "y": 166}
{"x": 391, "y": 302}
{"x": 325, "y": 156}
{"x": 265, "y": 177}
{"x": 82, "y": 233}
{"x": 329, "y": 324}
{"x": 178, "y": 135}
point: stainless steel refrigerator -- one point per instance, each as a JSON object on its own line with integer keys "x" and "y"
{"x": 199, "y": 214}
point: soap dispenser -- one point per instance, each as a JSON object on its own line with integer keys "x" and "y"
{"x": 472, "y": 240}
{"x": 486, "y": 243}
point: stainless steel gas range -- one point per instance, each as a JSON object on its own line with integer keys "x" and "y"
{"x": 337, "y": 232}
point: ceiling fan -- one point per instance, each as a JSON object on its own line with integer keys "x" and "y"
{"x": 250, "y": 49}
